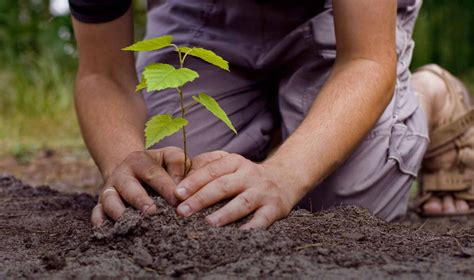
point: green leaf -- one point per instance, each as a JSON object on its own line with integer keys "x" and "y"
{"x": 141, "y": 85}
{"x": 161, "y": 126}
{"x": 208, "y": 56}
{"x": 151, "y": 44}
{"x": 162, "y": 76}
{"x": 212, "y": 106}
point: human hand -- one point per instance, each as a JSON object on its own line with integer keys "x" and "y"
{"x": 259, "y": 188}
{"x": 161, "y": 169}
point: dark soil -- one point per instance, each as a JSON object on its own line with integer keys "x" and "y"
{"x": 46, "y": 234}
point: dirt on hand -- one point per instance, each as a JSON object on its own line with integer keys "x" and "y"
{"x": 47, "y": 234}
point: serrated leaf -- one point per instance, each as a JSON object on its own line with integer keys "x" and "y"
{"x": 151, "y": 44}
{"x": 162, "y": 76}
{"x": 141, "y": 85}
{"x": 207, "y": 55}
{"x": 161, "y": 126}
{"x": 212, "y": 106}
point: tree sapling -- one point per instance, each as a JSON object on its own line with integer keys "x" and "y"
{"x": 159, "y": 76}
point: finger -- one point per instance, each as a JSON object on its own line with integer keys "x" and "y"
{"x": 206, "y": 174}
{"x": 133, "y": 193}
{"x": 203, "y": 159}
{"x": 112, "y": 205}
{"x": 98, "y": 215}
{"x": 263, "y": 218}
{"x": 237, "y": 208}
{"x": 172, "y": 159}
{"x": 217, "y": 190}
{"x": 156, "y": 177}
{"x": 448, "y": 205}
{"x": 174, "y": 163}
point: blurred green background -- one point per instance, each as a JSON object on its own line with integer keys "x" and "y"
{"x": 38, "y": 62}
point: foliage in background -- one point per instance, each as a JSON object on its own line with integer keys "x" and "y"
{"x": 38, "y": 61}
{"x": 37, "y": 65}
{"x": 444, "y": 34}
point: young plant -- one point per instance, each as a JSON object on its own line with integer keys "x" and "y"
{"x": 159, "y": 76}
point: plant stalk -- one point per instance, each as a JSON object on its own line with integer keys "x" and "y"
{"x": 183, "y": 114}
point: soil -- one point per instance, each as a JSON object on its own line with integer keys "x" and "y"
{"x": 65, "y": 169}
{"x": 46, "y": 234}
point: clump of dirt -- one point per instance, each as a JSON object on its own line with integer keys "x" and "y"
{"x": 47, "y": 234}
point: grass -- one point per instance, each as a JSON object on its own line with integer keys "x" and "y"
{"x": 36, "y": 108}
{"x": 19, "y": 132}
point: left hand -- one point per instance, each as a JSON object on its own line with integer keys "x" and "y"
{"x": 255, "y": 187}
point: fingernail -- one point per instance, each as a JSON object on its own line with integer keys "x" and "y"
{"x": 184, "y": 210}
{"x": 177, "y": 179}
{"x": 181, "y": 192}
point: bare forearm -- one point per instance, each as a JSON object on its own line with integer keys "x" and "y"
{"x": 357, "y": 92}
{"x": 346, "y": 109}
{"x": 111, "y": 115}
{"x": 111, "y": 119}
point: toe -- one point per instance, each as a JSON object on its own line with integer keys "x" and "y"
{"x": 448, "y": 205}
{"x": 461, "y": 206}
{"x": 433, "y": 206}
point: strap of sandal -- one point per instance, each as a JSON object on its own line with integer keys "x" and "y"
{"x": 467, "y": 195}
{"x": 448, "y": 133}
{"x": 459, "y": 185}
{"x": 447, "y": 182}
{"x": 441, "y": 137}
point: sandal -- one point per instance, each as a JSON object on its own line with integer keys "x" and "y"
{"x": 455, "y": 133}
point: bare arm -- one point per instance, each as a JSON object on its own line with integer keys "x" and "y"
{"x": 357, "y": 92}
{"x": 112, "y": 118}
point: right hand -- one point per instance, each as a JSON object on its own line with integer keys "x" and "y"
{"x": 161, "y": 169}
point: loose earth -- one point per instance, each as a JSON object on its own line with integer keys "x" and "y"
{"x": 47, "y": 234}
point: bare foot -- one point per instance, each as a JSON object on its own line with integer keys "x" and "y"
{"x": 447, "y": 205}
{"x": 439, "y": 107}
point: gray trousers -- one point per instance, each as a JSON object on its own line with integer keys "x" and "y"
{"x": 281, "y": 54}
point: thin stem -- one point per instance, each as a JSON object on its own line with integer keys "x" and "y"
{"x": 181, "y": 61}
{"x": 183, "y": 114}
{"x": 183, "y": 109}
{"x": 186, "y": 54}
{"x": 190, "y": 105}
{"x": 182, "y": 58}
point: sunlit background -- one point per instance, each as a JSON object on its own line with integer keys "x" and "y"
{"x": 38, "y": 61}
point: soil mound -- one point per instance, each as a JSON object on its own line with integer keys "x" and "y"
{"x": 47, "y": 234}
